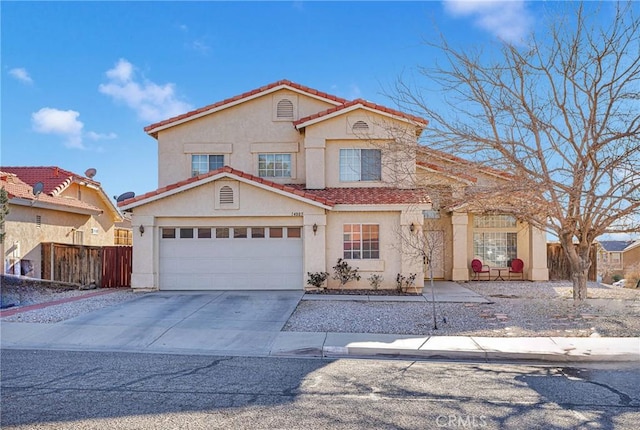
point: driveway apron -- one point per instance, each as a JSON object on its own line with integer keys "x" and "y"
{"x": 238, "y": 322}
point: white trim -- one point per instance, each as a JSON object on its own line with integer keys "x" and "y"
{"x": 356, "y": 107}
{"x": 237, "y": 102}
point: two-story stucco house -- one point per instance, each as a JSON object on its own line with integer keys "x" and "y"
{"x": 258, "y": 190}
{"x": 64, "y": 208}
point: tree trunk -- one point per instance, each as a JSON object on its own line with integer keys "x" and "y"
{"x": 579, "y": 263}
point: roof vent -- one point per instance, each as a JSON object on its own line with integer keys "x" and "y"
{"x": 360, "y": 126}
{"x": 226, "y": 195}
{"x": 284, "y": 109}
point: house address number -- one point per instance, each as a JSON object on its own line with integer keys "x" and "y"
{"x": 297, "y": 213}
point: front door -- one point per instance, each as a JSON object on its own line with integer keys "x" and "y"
{"x": 434, "y": 250}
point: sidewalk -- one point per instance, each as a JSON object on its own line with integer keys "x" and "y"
{"x": 195, "y": 326}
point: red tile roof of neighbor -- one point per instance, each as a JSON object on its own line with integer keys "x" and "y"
{"x": 16, "y": 188}
{"x": 343, "y": 104}
{"x": 53, "y": 178}
{"x": 243, "y": 96}
{"x": 327, "y": 196}
{"x": 363, "y": 103}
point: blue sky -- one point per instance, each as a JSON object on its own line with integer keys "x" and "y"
{"x": 80, "y": 80}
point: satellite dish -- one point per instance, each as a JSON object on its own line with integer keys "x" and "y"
{"x": 125, "y": 196}
{"x": 90, "y": 173}
{"x": 38, "y": 187}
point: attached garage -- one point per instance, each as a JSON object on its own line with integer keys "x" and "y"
{"x": 228, "y": 258}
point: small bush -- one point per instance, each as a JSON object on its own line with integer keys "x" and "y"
{"x": 403, "y": 283}
{"x": 616, "y": 278}
{"x": 375, "y": 280}
{"x": 344, "y": 273}
{"x": 317, "y": 279}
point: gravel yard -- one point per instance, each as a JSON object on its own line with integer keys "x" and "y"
{"x": 26, "y": 295}
{"x": 519, "y": 309}
{"x": 523, "y": 309}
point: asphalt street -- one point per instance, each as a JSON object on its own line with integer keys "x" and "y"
{"x": 97, "y": 390}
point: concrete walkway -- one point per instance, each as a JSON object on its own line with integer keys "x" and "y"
{"x": 443, "y": 292}
{"x": 249, "y": 323}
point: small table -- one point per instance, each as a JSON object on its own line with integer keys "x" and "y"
{"x": 500, "y": 270}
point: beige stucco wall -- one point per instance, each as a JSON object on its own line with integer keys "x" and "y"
{"x": 240, "y": 133}
{"x": 391, "y": 260}
{"x": 398, "y": 161}
{"x": 23, "y": 236}
{"x": 197, "y": 207}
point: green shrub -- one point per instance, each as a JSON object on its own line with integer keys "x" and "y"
{"x": 344, "y": 273}
{"x": 403, "y": 283}
{"x": 375, "y": 280}
{"x": 616, "y": 278}
{"x": 317, "y": 279}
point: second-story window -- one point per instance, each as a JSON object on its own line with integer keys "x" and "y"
{"x": 203, "y": 163}
{"x": 274, "y": 165}
{"x": 360, "y": 165}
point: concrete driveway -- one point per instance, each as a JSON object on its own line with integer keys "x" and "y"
{"x": 239, "y": 322}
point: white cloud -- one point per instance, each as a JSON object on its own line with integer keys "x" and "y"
{"x": 22, "y": 75}
{"x": 150, "y": 101}
{"x": 507, "y": 20}
{"x": 64, "y": 123}
{"x": 101, "y": 136}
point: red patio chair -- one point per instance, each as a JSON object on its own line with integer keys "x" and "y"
{"x": 479, "y": 268}
{"x": 517, "y": 268}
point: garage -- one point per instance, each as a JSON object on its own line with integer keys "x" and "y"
{"x": 231, "y": 258}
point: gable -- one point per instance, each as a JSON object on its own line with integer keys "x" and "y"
{"x": 308, "y": 93}
{"x": 227, "y": 197}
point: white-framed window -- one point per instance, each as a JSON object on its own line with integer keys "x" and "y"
{"x": 496, "y": 249}
{"x": 274, "y": 165}
{"x": 494, "y": 221}
{"x": 203, "y": 163}
{"x": 495, "y": 239}
{"x": 360, "y": 165}
{"x": 361, "y": 241}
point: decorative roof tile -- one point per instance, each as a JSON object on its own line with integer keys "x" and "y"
{"x": 361, "y": 102}
{"x": 18, "y": 189}
{"x": 327, "y": 196}
{"x": 54, "y": 179}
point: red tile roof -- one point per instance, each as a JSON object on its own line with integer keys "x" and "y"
{"x": 243, "y": 96}
{"x": 372, "y": 196}
{"x": 54, "y": 178}
{"x": 447, "y": 172}
{"x": 361, "y": 102}
{"x": 230, "y": 170}
{"x": 327, "y": 196}
{"x": 16, "y": 188}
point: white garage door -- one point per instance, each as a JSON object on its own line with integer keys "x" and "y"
{"x": 231, "y": 258}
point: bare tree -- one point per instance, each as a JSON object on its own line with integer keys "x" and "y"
{"x": 560, "y": 113}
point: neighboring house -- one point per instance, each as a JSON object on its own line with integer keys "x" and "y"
{"x": 610, "y": 258}
{"x": 123, "y": 235}
{"x": 631, "y": 259}
{"x": 69, "y": 209}
{"x": 258, "y": 190}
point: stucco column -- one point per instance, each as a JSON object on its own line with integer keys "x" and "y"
{"x": 314, "y": 162}
{"x": 314, "y": 245}
{"x": 460, "y": 223}
{"x": 144, "y": 275}
{"x": 538, "y": 255}
{"x": 411, "y": 244}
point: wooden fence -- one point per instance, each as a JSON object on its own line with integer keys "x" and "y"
{"x": 107, "y": 266}
{"x": 559, "y": 264}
